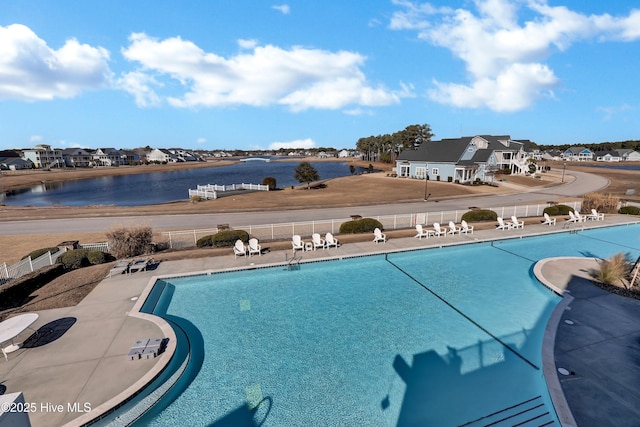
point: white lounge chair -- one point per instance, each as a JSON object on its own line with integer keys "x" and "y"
{"x": 119, "y": 268}
{"x": 572, "y": 217}
{"x": 579, "y": 218}
{"x": 239, "y": 249}
{"x": 318, "y": 242}
{"x": 140, "y": 265}
{"x": 548, "y": 220}
{"x": 438, "y": 230}
{"x": 516, "y": 223}
{"x": 297, "y": 243}
{"x": 595, "y": 216}
{"x": 254, "y": 247}
{"x": 502, "y": 225}
{"x": 331, "y": 241}
{"x": 453, "y": 228}
{"x": 465, "y": 228}
{"x": 422, "y": 232}
{"x": 379, "y": 236}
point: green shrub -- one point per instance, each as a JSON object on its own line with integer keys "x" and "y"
{"x": 223, "y": 239}
{"x": 363, "y": 225}
{"x": 479, "y": 215}
{"x": 556, "y": 210}
{"x": 73, "y": 259}
{"x": 270, "y": 182}
{"x": 78, "y": 258}
{"x": 629, "y": 210}
{"x": 39, "y": 252}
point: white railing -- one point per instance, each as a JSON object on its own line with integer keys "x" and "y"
{"x": 27, "y": 265}
{"x": 102, "y": 246}
{"x": 210, "y": 191}
{"x": 188, "y": 238}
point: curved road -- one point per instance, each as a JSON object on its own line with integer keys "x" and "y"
{"x": 583, "y": 183}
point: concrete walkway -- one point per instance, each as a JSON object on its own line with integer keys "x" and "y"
{"x": 80, "y": 360}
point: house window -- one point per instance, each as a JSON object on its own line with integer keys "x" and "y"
{"x": 421, "y": 172}
{"x": 435, "y": 171}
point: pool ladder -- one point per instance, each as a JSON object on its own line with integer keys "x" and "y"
{"x": 293, "y": 263}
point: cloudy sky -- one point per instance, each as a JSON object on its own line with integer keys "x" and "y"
{"x": 256, "y": 74}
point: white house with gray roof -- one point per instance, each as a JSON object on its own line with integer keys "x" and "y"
{"x": 464, "y": 159}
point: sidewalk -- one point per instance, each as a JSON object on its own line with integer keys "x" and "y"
{"x": 88, "y": 364}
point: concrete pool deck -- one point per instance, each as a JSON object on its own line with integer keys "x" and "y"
{"x": 83, "y": 363}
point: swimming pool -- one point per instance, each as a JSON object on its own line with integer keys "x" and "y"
{"x": 431, "y": 337}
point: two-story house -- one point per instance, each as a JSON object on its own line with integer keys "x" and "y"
{"x": 464, "y": 159}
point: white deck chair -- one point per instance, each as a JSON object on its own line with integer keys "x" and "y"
{"x": 503, "y": 225}
{"x": 297, "y": 243}
{"x": 466, "y": 228}
{"x": 331, "y": 241}
{"x": 438, "y": 230}
{"x": 548, "y": 220}
{"x": 422, "y": 232}
{"x": 595, "y": 216}
{"x": 239, "y": 249}
{"x": 572, "y": 217}
{"x": 318, "y": 242}
{"x": 453, "y": 228}
{"x": 254, "y": 247}
{"x": 379, "y": 236}
{"x": 516, "y": 223}
{"x": 579, "y": 218}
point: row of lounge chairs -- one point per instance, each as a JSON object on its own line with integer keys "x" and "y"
{"x": 575, "y": 216}
{"x": 441, "y": 231}
{"x": 316, "y": 242}
{"x": 130, "y": 266}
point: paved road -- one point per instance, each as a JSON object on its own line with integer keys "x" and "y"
{"x": 583, "y": 183}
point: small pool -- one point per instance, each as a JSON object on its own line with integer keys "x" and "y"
{"x": 439, "y": 337}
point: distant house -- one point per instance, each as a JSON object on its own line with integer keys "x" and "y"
{"x": 77, "y": 158}
{"x": 578, "y": 154}
{"x": 161, "y": 155}
{"x": 343, "y": 154}
{"x": 13, "y": 161}
{"x": 607, "y": 156}
{"x": 629, "y": 155}
{"x": 464, "y": 159}
{"x": 43, "y": 156}
{"x": 109, "y": 157}
{"x": 130, "y": 157}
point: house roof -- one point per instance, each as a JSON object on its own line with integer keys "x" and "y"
{"x": 8, "y": 153}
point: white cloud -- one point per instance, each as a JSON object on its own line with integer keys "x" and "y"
{"x": 611, "y": 112}
{"x": 297, "y": 144}
{"x": 140, "y": 86}
{"x": 201, "y": 140}
{"x": 503, "y": 53}
{"x": 284, "y": 8}
{"x": 35, "y": 138}
{"x": 299, "y": 78}
{"x": 31, "y": 71}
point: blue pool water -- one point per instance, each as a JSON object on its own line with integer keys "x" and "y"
{"x": 430, "y": 337}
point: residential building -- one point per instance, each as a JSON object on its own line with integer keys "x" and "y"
{"x": 607, "y": 156}
{"x": 109, "y": 157}
{"x": 11, "y": 160}
{"x": 578, "y": 154}
{"x": 43, "y": 156}
{"x": 77, "y": 158}
{"x": 464, "y": 159}
{"x": 629, "y": 155}
{"x": 161, "y": 155}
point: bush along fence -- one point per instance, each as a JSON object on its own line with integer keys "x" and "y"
{"x": 28, "y": 265}
{"x": 283, "y": 231}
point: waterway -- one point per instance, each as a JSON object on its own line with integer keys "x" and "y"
{"x": 163, "y": 187}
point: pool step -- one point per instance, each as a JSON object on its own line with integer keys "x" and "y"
{"x": 530, "y": 413}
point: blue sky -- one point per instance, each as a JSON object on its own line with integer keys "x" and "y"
{"x": 309, "y": 73}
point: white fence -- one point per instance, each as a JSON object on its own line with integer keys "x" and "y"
{"x": 188, "y": 238}
{"x": 210, "y": 191}
{"x": 28, "y": 265}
